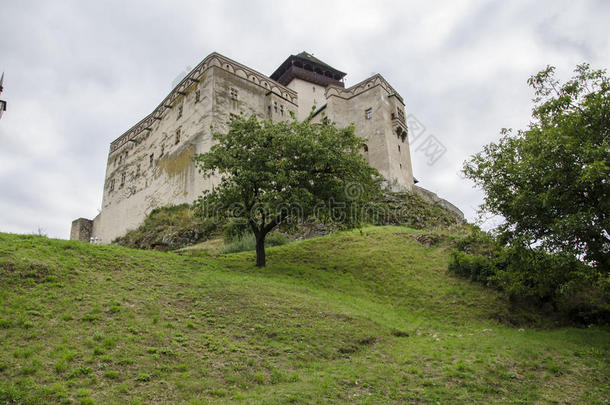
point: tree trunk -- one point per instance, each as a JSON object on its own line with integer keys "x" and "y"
{"x": 260, "y": 250}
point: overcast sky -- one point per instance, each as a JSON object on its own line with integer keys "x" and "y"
{"x": 80, "y": 73}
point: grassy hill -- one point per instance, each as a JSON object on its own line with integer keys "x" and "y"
{"x": 366, "y": 316}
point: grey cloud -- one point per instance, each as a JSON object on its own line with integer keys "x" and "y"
{"x": 78, "y": 74}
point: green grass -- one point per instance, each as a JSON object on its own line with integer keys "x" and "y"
{"x": 354, "y": 317}
{"x": 248, "y": 242}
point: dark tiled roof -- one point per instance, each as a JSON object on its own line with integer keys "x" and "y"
{"x": 313, "y": 59}
{"x": 306, "y": 66}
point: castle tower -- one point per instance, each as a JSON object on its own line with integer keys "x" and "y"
{"x": 376, "y": 109}
{"x": 309, "y": 77}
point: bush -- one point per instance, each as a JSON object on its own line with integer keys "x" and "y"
{"x": 234, "y": 230}
{"x": 174, "y": 226}
{"x": 478, "y": 242}
{"x": 555, "y": 281}
{"x": 248, "y": 242}
{"x": 534, "y": 273}
{"x": 475, "y": 267}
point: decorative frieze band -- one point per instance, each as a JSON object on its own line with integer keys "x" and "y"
{"x": 356, "y": 89}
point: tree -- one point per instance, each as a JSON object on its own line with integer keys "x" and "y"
{"x": 273, "y": 173}
{"x": 550, "y": 182}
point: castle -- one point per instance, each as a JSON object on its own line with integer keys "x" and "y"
{"x": 151, "y": 165}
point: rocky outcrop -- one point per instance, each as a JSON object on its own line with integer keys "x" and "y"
{"x": 435, "y": 199}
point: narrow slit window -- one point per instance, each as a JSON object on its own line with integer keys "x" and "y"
{"x": 368, "y": 113}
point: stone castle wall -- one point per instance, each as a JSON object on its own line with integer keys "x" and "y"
{"x": 151, "y": 165}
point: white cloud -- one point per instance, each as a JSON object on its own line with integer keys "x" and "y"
{"x": 78, "y": 74}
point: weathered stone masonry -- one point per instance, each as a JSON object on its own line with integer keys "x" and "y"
{"x": 151, "y": 165}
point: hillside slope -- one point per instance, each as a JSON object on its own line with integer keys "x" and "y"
{"x": 365, "y": 317}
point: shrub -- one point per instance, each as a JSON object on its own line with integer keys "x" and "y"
{"x": 534, "y": 273}
{"x": 175, "y": 226}
{"x": 555, "y": 281}
{"x": 276, "y": 239}
{"x": 247, "y": 242}
{"x": 234, "y": 230}
{"x": 475, "y": 267}
{"x": 478, "y": 242}
{"x": 243, "y": 244}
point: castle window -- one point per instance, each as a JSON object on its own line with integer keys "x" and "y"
{"x": 232, "y": 117}
{"x": 151, "y": 159}
{"x": 368, "y": 113}
{"x": 402, "y": 134}
{"x": 111, "y": 185}
{"x": 401, "y": 114}
{"x": 197, "y": 95}
{"x": 122, "y": 180}
{"x": 275, "y": 106}
{"x": 177, "y": 136}
{"x": 233, "y": 93}
{"x": 121, "y": 158}
{"x": 365, "y": 151}
{"x": 179, "y": 112}
{"x": 282, "y": 110}
{"x": 398, "y": 148}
